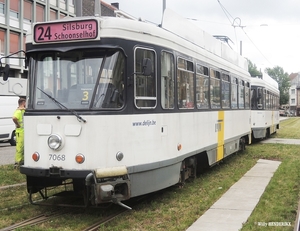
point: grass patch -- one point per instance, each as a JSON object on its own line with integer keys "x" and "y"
{"x": 9, "y": 175}
{"x": 289, "y": 128}
{"x": 279, "y": 202}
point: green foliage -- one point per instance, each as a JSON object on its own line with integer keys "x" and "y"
{"x": 253, "y": 69}
{"x": 282, "y": 79}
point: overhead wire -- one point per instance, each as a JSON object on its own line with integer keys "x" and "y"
{"x": 256, "y": 46}
{"x": 225, "y": 11}
{"x": 230, "y": 21}
{"x": 240, "y": 26}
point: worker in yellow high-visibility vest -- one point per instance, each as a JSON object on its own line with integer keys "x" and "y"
{"x": 18, "y": 120}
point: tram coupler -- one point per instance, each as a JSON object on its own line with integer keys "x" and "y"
{"x": 121, "y": 204}
{"x": 109, "y": 185}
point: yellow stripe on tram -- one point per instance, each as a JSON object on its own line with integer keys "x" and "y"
{"x": 272, "y": 123}
{"x": 220, "y": 149}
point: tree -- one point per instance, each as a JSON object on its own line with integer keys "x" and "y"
{"x": 283, "y": 81}
{"x": 253, "y": 69}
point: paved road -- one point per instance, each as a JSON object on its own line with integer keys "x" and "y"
{"x": 7, "y": 154}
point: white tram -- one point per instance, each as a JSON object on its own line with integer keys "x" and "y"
{"x": 264, "y": 106}
{"x": 124, "y": 108}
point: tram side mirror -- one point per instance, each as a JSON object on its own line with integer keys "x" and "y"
{"x": 26, "y": 62}
{"x": 147, "y": 66}
{"x": 5, "y": 72}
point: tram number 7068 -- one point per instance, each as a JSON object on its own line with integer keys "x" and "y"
{"x": 57, "y": 157}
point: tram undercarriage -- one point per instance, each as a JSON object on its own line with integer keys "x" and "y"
{"x": 98, "y": 187}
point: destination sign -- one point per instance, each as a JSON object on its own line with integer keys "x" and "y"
{"x": 66, "y": 31}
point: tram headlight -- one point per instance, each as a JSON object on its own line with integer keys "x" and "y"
{"x": 54, "y": 141}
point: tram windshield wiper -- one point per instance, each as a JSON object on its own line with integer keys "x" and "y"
{"x": 79, "y": 118}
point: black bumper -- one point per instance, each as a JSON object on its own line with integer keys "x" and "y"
{"x": 54, "y": 172}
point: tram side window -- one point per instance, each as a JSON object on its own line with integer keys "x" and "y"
{"x": 260, "y": 98}
{"x": 242, "y": 94}
{"x": 253, "y": 98}
{"x": 185, "y": 84}
{"x": 268, "y": 100}
{"x": 271, "y": 101}
{"x": 202, "y": 86}
{"x": 234, "y": 93}
{"x": 215, "y": 99}
{"x": 145, "y": 85}
{"x": 257, "y": 98}
{"x": 264, "y": 99}
{"x": 167, "y": 80}
{"x": 247, "y": 95}
{"x": 225, "y": 91}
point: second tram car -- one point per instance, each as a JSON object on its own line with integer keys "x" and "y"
{"x": 123, "y": 108}
{"x": 264, "y": 106}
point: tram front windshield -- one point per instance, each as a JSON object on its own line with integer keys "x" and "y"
{"x": 81, "y": 80}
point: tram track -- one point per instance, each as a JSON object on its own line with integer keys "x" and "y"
{"x": 97, "y": 224}
{"x": 134, "y": 202}
{"x": 12, "y": 186}
{"x": 57, "y": 213}
{"x": 60, "y": 211}
{"x": 37, "y": 219}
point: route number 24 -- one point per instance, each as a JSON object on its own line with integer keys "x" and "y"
{"x": 44, "y": 33}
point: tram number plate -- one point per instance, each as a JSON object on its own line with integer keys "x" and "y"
{"x": 56, "y": 157}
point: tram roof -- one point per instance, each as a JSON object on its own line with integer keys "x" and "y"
{"x": 174, "y": 30}
{"x": 265, "y": 81}
{"x": 184, "y": 28}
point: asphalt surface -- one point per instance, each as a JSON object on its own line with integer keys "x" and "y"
{"x": 7, "y": 154}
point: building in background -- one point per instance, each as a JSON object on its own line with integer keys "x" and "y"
{"x": 17, "y": 16}
{"x": 294, "y": 94}
{"x": 111, "y": 10}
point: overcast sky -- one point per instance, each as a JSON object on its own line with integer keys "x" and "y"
{"x": 269, "y": 29}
